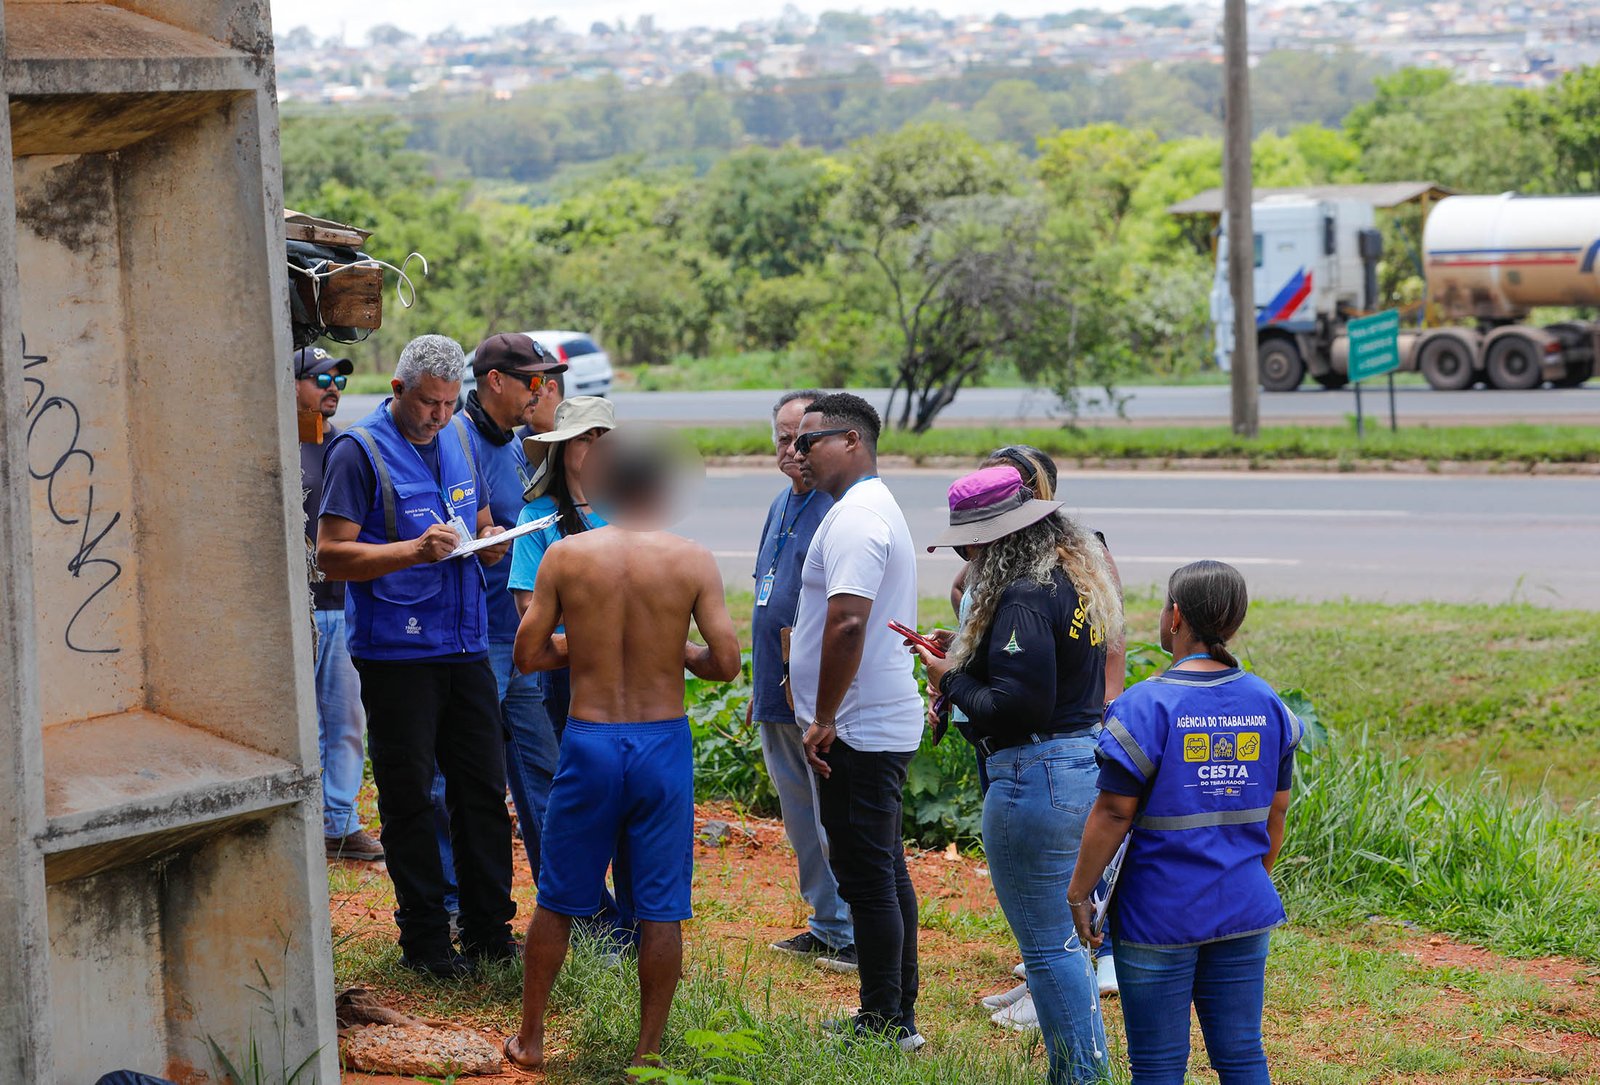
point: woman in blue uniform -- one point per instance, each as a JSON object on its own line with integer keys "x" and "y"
{"x": 1195, "y": 768}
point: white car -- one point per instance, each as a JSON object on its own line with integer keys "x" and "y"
{"x": 588, "y": 367}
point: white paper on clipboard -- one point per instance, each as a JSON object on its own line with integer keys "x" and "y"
{"x": 1102, "y": 901}
{"x": 472, "y": 546}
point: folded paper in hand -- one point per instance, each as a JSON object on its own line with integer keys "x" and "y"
{"x": 472, "y": 546}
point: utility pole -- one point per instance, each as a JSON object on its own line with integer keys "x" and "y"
{"x": 1237, "y": 194}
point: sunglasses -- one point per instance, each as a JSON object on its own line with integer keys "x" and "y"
{"x": 803, "y": 443}
{"x": 527, "y": 380}
{"x": 329, "y": 380}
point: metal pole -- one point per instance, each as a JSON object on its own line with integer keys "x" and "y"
{"x": 1394, "y": 425}
{"x": 1360, "y": 428}
{"x": 1237, "y": 196}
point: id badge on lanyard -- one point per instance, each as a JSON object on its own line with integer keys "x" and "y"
{"x": 765, "y": 593}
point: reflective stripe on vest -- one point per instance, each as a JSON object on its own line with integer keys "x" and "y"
{"x": 1201, "y": 821}
{"x": 391, "y": 527}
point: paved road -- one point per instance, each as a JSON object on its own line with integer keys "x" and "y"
{"x": 1395, "y": 538}
{"x": 1152, "y": 404}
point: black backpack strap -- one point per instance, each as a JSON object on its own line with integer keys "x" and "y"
{"x": 391, "y": 528}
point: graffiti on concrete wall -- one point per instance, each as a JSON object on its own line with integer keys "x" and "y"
{"x": 57, "y": 460}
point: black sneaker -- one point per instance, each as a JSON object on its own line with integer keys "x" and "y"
{"x": 445, "y": 966}
{"x": 479, "y": 956}
{"x": 907, "y": 1039}
{"x": 839, "y": 960}
{"x": 804, "y": 944}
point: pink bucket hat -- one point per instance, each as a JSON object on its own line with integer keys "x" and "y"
{"x": 988, "y": 505}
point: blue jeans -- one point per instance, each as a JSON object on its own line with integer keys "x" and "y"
{"x": 796, "y": 785}
{"x": 1033, "y": 816}
{"x": 1226, "y": 983}
{"x": 531, "y": 750}
{"x": 340, "y": 723}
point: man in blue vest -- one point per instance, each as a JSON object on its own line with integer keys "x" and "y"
{"x": 402, "y": 492}
{"x": 512, "y": 371}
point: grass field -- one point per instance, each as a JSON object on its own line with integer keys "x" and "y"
{"x": 1440, "y": 847}
{"x": 1336, "y": 446}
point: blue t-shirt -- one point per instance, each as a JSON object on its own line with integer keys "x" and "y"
{"x": 504, "y": 469}
{"x": 785, "y": 537}
{"x": 528, "y": 551}
{"x": 1205, "y": 752}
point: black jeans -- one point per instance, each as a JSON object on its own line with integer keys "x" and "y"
{"x": 419, "y": 714}
{"x": 861, "y": 806}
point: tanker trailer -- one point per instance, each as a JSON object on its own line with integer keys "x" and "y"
{"x": 1490, "y": 260}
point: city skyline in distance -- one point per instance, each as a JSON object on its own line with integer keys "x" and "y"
{"x": 351, "y": 20}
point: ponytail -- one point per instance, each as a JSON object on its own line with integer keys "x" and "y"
{"x": 1213, "y": 599}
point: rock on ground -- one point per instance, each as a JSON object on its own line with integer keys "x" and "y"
{"x": 410, "y": 1049}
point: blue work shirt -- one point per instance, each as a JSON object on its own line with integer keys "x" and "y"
{"x": 785, "y": 537}
{"x": 1205, "y": 751}
{"x": 505, "y": 475}
{"x": 529, "y": 550}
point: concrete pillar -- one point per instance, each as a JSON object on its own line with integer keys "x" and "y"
{"x": 160, "y": 810}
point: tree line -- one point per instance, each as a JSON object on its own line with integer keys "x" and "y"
{"x": 917, "y": 257}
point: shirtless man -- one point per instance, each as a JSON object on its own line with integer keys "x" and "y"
{"x": 626, "y": 593}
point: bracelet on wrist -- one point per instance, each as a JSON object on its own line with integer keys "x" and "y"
{"x": 1077, "y": 903}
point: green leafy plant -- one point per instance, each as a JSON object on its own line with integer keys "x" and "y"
{"x": 711, "y": 1046}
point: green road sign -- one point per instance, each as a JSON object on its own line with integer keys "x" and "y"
{"x": 1374, "y": 344}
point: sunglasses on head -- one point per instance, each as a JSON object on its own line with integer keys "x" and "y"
{"x": 330, "y": 380}
{"x": 803, "y": 443}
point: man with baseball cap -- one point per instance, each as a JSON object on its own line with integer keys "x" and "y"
{"x": 341, "y": 721}
{"x": 512, "y": 370}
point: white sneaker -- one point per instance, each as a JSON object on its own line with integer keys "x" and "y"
{"x": 1105, "y": 974}
{"x": 1021, "y": 971}
{"x": 1019, "y": 1017}
{"x": 1006, "y": 998}
{"x": 911, "y": 1042}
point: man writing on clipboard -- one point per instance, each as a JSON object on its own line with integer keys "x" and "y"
{"x": 399, "y": 491}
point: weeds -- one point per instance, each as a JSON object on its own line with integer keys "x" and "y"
{"x": 252, "y": 1068}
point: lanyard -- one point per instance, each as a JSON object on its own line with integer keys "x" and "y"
{"x": 783, "y": 536}
{"x": 1180, "y": 662}
{"x": 857, "y": 482}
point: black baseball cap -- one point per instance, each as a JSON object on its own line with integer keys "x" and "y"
{"x": 314, "y": 361}
{"x": 513, "y": 352}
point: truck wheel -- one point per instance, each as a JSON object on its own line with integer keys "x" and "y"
{"x": 1446, "y": 362}
{"x": 1515, "y": 362}
{"x": 1282, "y": 368}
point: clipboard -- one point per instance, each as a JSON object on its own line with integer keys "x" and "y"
{"x": 472, "y": 546}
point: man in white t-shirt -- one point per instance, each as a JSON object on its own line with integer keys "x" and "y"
{"x": 856, "y": 695}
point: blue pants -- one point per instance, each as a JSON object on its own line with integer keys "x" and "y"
{"x": 796, "y": 784}
{"x": 340, "y": 723}
{"x": 530, "y": 746}
{"x": 530, "y": 762}
{"x": 624, "y": 790}
{"x": 1033, "y": 816}
{"x": 1225, "y": 981}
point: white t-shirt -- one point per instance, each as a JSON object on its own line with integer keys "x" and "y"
{"x": 862, "y": 547}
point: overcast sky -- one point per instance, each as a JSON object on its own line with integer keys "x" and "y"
{"x": 331, "y": 17}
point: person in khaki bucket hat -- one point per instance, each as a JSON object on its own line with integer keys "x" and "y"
{"x": 575, "y": 417}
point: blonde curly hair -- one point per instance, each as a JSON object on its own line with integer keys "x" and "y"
{"x": 1033, "y": 554}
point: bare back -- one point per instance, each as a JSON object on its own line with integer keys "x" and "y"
{"x": 627, "y": 598}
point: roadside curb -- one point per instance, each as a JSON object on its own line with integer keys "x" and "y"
{"x": 1239, "y": 464}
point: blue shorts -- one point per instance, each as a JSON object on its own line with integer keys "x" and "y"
{"x": 624, "y": 790}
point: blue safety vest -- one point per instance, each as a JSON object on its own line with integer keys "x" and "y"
{"x": 1210, "y": 749}
{"x": 431, "y": 610}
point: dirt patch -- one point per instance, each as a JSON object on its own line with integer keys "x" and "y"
{"x": 1438, "y": 951}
